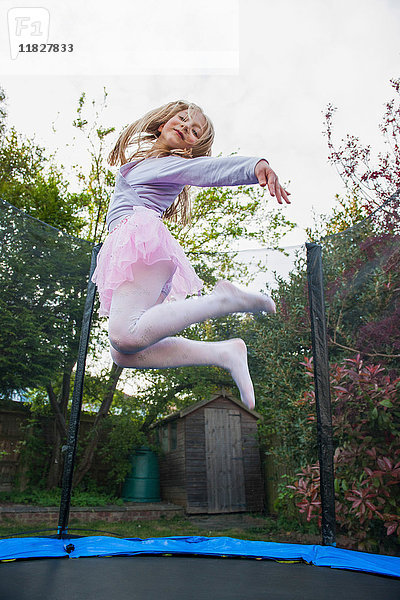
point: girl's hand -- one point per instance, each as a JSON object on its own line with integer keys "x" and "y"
{"x": 265, "y": 175}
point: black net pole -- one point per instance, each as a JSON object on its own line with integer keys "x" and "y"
{"x": 69, "y": 458}
{"x": 322, "y": 391}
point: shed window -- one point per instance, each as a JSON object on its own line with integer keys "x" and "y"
{"x": 172, "y": 435}
{"x": 164, "y": 438}
{"x": 167, "y": 436}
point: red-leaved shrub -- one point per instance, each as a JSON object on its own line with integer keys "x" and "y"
{"x": 366, "y": 426}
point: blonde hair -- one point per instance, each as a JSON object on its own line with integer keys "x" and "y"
{"x": 143, "y": 133}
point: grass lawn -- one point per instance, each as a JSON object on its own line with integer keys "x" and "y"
{"x": 242, "y": 526}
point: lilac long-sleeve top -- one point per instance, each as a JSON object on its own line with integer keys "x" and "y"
{"x": 155, "y": 182}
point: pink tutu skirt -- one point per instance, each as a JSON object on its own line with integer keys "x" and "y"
{"x": 141, "y": 236}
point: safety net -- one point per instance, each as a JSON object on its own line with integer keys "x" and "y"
{"x": 44, "y": 283}
{"x": 43, "y": 280}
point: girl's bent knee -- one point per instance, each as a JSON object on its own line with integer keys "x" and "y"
{"x": 124, "y": 345}
{"x": 123, "y": 335}
{"x": 125, "y": 338}
{"x": 124, "y": 342}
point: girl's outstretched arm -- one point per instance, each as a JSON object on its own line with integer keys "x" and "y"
{"x": 208, "y": 172}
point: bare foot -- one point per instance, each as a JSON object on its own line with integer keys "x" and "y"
{"x": 243, "y": 301}
{"x": 235, "y": 361}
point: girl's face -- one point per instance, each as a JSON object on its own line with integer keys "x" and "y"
{"x": 182, "y": 130}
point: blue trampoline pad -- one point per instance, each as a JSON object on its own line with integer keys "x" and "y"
{"x": 101, "y": 546}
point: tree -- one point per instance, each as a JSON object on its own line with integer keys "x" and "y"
{"x": 368, "y": 323}
{"x": 371, "y": 179}
{"x": 31, "y": 181}
{"x": 44, "y": 277}
{"x": 97, "y": 185}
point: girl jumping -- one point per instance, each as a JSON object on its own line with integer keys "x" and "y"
{"x": 141, "y": 265}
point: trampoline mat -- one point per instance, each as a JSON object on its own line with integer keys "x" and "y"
{"x": 186, "y": 577}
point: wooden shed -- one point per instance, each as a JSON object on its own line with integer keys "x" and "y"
{"x": 210, "y": 461}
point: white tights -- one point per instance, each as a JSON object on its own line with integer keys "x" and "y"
{"x": 140, "y": 326}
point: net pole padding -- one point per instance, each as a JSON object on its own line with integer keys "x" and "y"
{"x": 73, "y": 430}
{"x": 322, "y": 391}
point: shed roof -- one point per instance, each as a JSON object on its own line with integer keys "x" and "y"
{"x": 179, "y": 414}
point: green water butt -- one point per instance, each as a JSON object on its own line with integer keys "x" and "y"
{"x": 143, "y": 482}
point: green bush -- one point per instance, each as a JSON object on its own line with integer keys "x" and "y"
{"x": 39, "y": 497}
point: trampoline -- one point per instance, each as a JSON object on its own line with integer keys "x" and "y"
{"x": 198, "y": 568}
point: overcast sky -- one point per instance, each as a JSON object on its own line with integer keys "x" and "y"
{"x": 263, "y": 70}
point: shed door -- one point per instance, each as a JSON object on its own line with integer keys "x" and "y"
{"x": 224, "y": 460}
